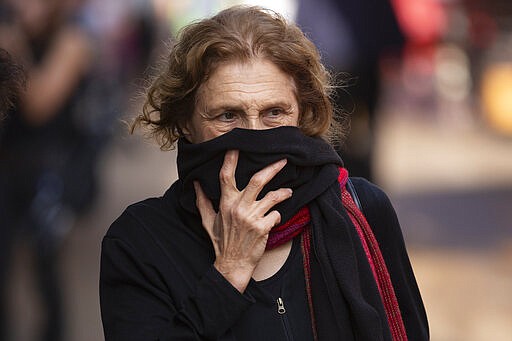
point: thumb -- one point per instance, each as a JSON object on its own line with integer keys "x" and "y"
{"x": 205, "y": 207}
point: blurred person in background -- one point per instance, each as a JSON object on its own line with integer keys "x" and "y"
{"x": 354, "y": 36}
{"x": 46, "y": 158}
{"x": 12, "y": 82}
{"x": 260, "y": 238}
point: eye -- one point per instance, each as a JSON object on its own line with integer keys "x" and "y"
{"x": 275, "y": 112}
{"x": 227, "y": 116}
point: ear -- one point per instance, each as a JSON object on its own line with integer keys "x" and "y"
{"x": 187, "y": 132}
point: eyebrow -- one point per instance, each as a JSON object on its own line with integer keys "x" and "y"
{"x": 285, "y": 105}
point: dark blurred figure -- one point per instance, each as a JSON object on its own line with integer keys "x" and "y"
{"x": 354, "y": 36}
{"x": 47, "y": 158}
{"x": 82, "y": 61}
{"x": 128, "y": 31}
{"x": 12, "y": 82}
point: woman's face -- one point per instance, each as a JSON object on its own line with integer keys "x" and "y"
{"x": 251, "y": 95}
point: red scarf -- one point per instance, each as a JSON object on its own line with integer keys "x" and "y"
{"x": 300, "y": 223}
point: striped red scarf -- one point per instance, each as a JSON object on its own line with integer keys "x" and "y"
{"x": 299, "y": 223}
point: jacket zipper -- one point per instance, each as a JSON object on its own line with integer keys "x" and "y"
{"x": 281, "y": 310}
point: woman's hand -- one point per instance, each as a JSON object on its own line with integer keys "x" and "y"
{"x": 239, "y": 231}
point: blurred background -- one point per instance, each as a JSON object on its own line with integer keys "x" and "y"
{"x": 429, "y": 87}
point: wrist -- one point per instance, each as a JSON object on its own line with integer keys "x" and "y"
{"x": 237, "y": 275}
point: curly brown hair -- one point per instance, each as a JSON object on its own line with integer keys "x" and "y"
{"x": 12, "y": 82}
{"x": 237, "y": 34}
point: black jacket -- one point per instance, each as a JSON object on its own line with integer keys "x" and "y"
{"x": 158, "y": 283}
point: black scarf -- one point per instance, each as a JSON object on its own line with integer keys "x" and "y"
{"x": 347, "y": 304}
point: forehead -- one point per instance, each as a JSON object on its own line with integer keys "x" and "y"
{"x": 253, "y": 80}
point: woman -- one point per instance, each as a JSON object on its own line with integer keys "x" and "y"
{"x": 44, "y": 153}
{"x": 258, "y": 238}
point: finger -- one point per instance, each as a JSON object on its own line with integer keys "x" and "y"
{"x": 205, "y": 207}
{"x": 260, "y": 179}
{"x": 271, "y": 199}
{"x": 270, "y": 220}
{"x": 227, "y": 172}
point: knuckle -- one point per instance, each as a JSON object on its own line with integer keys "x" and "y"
{"x": 234, "y": 211}
{"x": 258, "y": 180}
{"x": 244, "y": 218}
{"x": 229, "y": 209}
{"x": 199, "y": 198}
{"x": 275, "y": 217}
{"x": 273, "y": 196}
{"x": 258, "y": 227}
{"x": 224, "y": 176}
{"x": 225, "y": 207}
{"x": 276, "y": 166}
{"x": 277, "y": 196}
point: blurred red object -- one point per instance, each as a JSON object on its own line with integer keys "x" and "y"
{"x": 423, "y": 21}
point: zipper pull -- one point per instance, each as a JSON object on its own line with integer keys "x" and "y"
{"x": 280, "y": 306}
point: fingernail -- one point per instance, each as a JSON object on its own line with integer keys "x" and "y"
{"x": 290, "y": 191}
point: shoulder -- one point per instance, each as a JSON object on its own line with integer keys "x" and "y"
{"x": 132, "y": 235}
{"x": 156, "y": 222}
{"x": 145, "y": 217}
{"x": 134, "y": 216}
{"x": 152, "y": 240}
{"x": 378, "y": 210}
{"x": 372, "y": 197}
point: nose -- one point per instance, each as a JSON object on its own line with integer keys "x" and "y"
{"x": 254, "y": 123}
